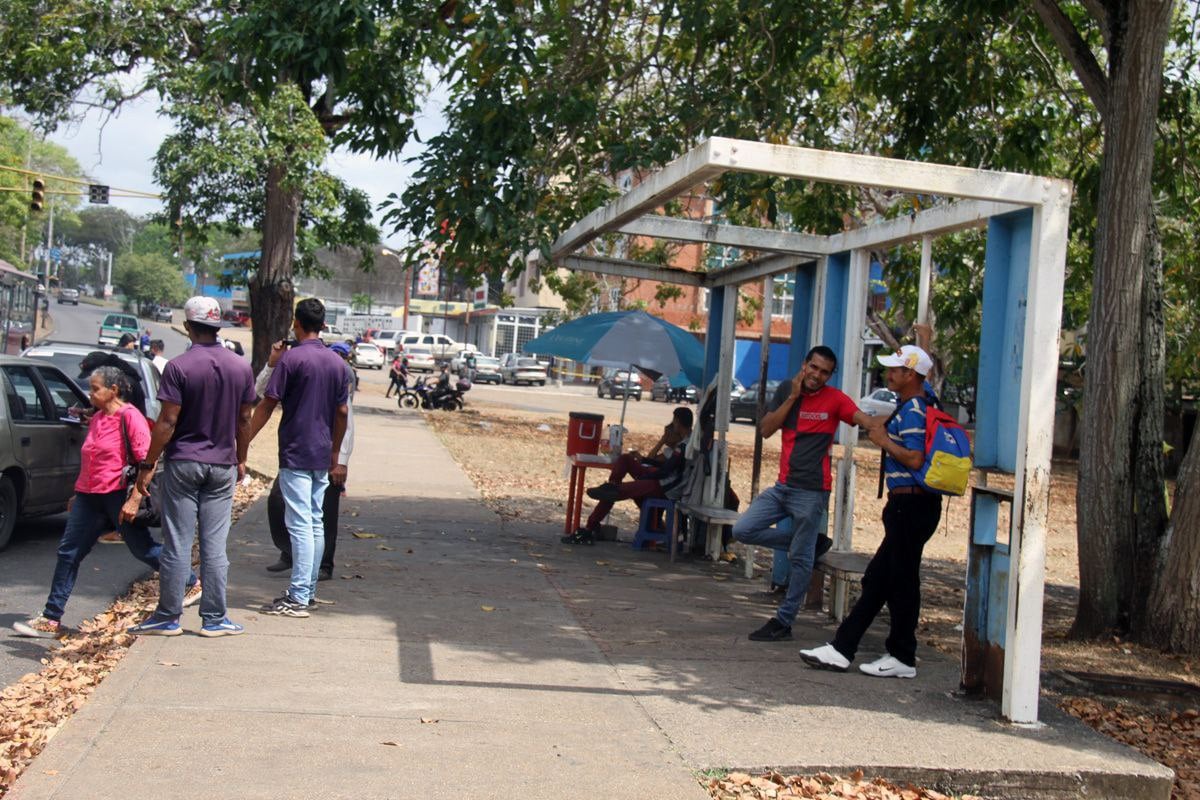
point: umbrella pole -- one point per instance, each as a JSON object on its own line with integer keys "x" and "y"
{"x": 624, "y": 403}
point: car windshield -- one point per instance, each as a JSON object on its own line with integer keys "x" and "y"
{"x": 119, "y": 321}
{"x": 366, "y": 347}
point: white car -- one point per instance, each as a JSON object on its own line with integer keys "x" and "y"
{"x": 442, "y": 347}
{"x": 387, "y": 340}
{"x": 523, "y": 369}
{"x": 459, "y": 362}
{"x": 366, "y": 354}
{"x": 420, "y": 357}
{"x": 333, "y": 333}
{"x": 879, "y": 403}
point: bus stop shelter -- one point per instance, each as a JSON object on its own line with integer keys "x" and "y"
{"x": 1026, "y": 221}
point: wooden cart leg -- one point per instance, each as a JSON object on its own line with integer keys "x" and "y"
{"x": 567, "y": 529}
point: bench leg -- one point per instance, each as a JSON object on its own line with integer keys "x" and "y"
{"x": 840, "y": 594}
{"x": 815, "y": 599}
{"x": 713, "y": 545}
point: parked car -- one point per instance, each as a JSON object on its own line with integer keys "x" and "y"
{"x": 367, "y": 354}
{"x": 879, "y": 403}
{"x": 387, "y": 340}
{"x": 620, "y": 383}
{"x": 745, "y": 405}
{"x": 67, "y": 355}
{"x": 442, "y": 347}
{"x": 662, "y": 389}
{"x": 162, "y": 314}
{"x": 116, "y": 325}
{"x": 237, "y": 317}
{"x": 459, "y": 362}
{"x": 333, "y": 333}
{"x": 68, "y": 296}
{"x": 523, "y": 369}
{"x": 420, "y": 357}
{"x": 39, "y": 450}
{"x": 487, "y": 370}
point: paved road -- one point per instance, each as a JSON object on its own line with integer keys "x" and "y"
{"x": 27, "y": 563}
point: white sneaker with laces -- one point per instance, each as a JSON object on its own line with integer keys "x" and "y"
{"x": 888, "y": 667}
{"x": 825, "y": 657}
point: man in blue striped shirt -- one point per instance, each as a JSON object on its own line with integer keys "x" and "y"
{"x": 893, "y": 577}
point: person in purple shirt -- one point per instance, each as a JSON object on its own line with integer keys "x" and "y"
{"x": 310, "y": 383}
{"x": 202, "y": 434}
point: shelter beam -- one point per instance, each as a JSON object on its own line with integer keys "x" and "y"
{"x": 633, "y": 269}
{"x": 688, "y": 230}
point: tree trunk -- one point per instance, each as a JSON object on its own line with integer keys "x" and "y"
{"x": 1119, "y": 416}
{"x": 1173, "y": 618}
{"x": 271, "y": 291}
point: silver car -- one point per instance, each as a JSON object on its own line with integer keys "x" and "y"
{"x": 67, "y": 355}
{"x": 879, "y": 403}
{"x": 39, "y": 444}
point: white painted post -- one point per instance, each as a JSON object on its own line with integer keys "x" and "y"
{"x": 818, "y": 310}
{"x": 1035, "y": 432}
{"x": 850, "y": 365}
{"x": 926, "y": 280}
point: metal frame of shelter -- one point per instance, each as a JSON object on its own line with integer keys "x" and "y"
{"x": 1026, "y": 218}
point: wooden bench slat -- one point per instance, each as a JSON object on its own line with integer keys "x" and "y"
{"x": 843, "y": 561}
{"x": 710, "y": 513}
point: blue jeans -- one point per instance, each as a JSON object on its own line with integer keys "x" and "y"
{"x": 303, "y": 503}
{"x": 807, "y": 510}
{"x": 90, "y": 516}
{"x": 195, "y": 497}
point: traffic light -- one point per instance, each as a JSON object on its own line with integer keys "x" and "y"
{"x": 97, "y": 193}
{"x": 37, "y": 195}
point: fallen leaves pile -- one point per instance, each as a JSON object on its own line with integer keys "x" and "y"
{"x": 34, "y": 708}
{"x": 1169, "y": 737}
{"x": 774, "y": 786}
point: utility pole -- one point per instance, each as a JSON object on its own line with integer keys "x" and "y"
{"x": 108, "y": 277}
{"x": 49, "y": 243}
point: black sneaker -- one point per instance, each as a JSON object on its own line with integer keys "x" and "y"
{"x": 823, "y": 545}
{"x": 282, "y": 565}
{"x": 605, "y": 491}
{"x": 325, "y": 574}
{"x": 773, "y": 631}
{"x": 286, "y": 607}
{"x": 581, "y": 536}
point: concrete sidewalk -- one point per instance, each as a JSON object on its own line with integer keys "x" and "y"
{"x": 467, "y": 658}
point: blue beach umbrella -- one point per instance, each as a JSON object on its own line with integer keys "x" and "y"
{"x": 627, "y": 340}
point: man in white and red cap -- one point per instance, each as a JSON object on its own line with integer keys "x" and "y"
{"x": 893, "y": 577}
{"x": 202, "y": 434}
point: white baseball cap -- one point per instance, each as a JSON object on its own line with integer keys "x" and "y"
{"x": 205, "y": 311}
{"x": 911, "y": 357}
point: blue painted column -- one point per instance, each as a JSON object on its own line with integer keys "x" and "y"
{"x": 837, "y": 300}
{"x": 803, "y": 301}
{"x": 1001, "y": 340}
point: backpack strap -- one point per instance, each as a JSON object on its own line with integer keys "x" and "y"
{"x": 883, "y": 453}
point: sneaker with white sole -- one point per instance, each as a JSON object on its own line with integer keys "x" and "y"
{"x": 156, "y": 626}
{"x": 285, "y": 606}
{"x": 222, "y": 627}
{"x": 40, "y": 628}
{"x": 888, "y": 667}
{"x": 193, "y": 595}
{"x": 825, "y": 657}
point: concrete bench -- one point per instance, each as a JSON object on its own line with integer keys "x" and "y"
{"x": 714, "y": 518}
{"x": 842, "y": 566}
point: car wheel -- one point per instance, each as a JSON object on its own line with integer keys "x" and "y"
{"x": 8, "y": 510}
{"x": 541, "y": 383}
{"x": 599, "y": 392}
{"x": 638, "y": 397}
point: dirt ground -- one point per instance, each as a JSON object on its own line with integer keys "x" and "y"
{"x": 517, "y": 460}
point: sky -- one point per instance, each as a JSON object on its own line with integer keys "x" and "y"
{"x": 119, "y": 151}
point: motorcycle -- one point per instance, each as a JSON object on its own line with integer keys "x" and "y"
{"x": 420, "y": 395}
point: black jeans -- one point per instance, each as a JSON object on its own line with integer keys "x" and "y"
{"x": 279, "y": 532}
{"x": 893, "y": 577}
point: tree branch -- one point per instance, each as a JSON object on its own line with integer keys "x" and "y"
{"x": 1076, "y": 51}
{"x": 1100, "y": 14}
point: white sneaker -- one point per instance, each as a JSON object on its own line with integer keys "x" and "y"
{"x": 825, "y": 657}
{"x": 888, "y": 667}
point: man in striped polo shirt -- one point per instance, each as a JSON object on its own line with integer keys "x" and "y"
{"x": 808, "y": 412}
{"x": 893, "y": 577}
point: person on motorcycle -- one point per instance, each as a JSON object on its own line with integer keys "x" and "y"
{"x": 443, "y": 387}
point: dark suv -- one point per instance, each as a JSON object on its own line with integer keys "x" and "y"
{"x": 620, "y": 383}
{"x": 39, "y": 451}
